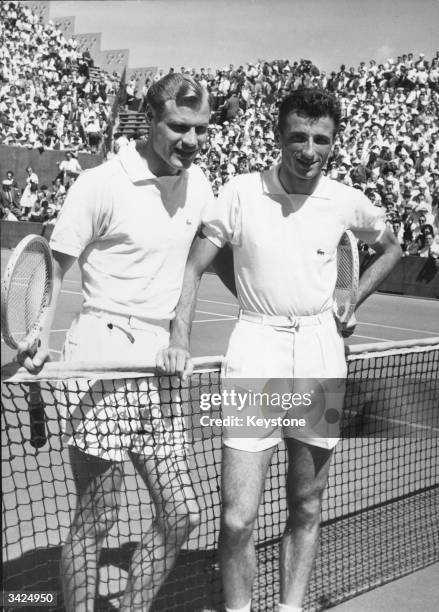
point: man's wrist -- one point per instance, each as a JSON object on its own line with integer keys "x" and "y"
{"x": 177, "y": 344}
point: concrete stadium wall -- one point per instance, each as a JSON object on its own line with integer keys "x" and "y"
{"x": 44, "y": 164}
{"x": 415, "y": 276}
{"x": 40, "y": 7}
{"x": 13, "y": 231}
{"x": 66, "y": 25}
{"x": 90, "y": 41}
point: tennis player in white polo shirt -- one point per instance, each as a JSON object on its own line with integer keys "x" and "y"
{"x": 284, "y": 225}
{"x": 130, "y": 222}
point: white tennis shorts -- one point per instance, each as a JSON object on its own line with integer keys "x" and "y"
{"x": 294, "y": 379}
{"x": 109, "y": 418}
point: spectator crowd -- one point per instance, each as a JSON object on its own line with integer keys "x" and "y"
{"x": 48, "y": 99}
{"x": 33, "y": 201}
{"x": 388, "y": 145}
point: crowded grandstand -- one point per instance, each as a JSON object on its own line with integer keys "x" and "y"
{"x": 52, "y": 97}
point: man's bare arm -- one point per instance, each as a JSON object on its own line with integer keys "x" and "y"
{"x": 389, "y": 252}
{"x": 176, "y": 358}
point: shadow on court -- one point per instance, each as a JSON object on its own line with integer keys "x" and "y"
{"x": 193, "y": 584}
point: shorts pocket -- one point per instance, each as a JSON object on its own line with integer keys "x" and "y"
{"x": 238, "y": 351}
{"x": 89, "y": 339}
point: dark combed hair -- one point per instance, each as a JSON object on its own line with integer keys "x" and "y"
{"x": 314, "y": 103}
{"x": 182, "y": 88}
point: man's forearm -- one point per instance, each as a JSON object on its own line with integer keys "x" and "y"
{"x": 203, "y": 251}
{"x": 184, "y": 313}
{"x": 377, "y": 272}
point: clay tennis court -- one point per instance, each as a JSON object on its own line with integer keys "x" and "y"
{"x": 382, "y": 317}
{"x": 39, "y": 501}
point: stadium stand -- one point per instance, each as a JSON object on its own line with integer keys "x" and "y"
{"x": 131, "y": 124}
{"x": 53, "y": 96}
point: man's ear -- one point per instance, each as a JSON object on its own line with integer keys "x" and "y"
{"x": 149, "y": 113}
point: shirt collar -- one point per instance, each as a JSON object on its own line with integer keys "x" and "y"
{"x": 137, "y": 167}
{"x": 134, "y": 164}
{"x": 272, "y": 186}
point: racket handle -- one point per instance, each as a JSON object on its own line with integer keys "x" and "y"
{"x": 37, "y": 416}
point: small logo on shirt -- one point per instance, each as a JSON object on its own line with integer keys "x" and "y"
{"x": 188, "y": 222}
{"x": 320, "y": 252}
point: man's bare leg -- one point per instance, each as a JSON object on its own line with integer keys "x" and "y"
{"x": 177, "y": 514}
{"x": 98, "y": 485}
{"x": 243, "y": 478}
{"x": 308, "y": 468}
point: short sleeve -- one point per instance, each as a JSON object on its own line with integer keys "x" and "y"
{"x": 368, "y": 222}
{"x": 208, "y": 199}
{"x": 79, "y": 221}
{"x": 222, "y": 223}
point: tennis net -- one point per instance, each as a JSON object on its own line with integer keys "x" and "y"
{"x": 379, "y": 516}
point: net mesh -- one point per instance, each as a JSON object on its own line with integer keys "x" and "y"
{"x": 28, "y": 292}
{"x": 379, "y": 515}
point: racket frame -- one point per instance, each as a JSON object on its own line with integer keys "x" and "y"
{"x": 37, "y": 418}
{"x": 349, "y": 238}
{"x": 35, "y": 330}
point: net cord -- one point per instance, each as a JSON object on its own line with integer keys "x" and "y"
{"x": 59, "y": 370}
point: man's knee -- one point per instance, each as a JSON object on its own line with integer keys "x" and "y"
{"x": 192, "y": 516}
{"x": 96, "y": 517}
{"x": 305, "y": 509}
{"x": 105, "y": 521}
{"x": 178, "y": 519}
{"x": 236, "y": 525}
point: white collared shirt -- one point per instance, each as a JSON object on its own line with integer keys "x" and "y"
{"x": 132, "y": 232}
{"x": 285, "y": 245}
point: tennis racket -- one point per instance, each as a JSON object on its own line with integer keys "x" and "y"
{"x": 26, "y": 295}
{"x": 348, "y": 277}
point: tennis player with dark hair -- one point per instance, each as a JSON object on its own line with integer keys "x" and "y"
{"x": 284, "y": 225}
{"x": 130, "y": 223}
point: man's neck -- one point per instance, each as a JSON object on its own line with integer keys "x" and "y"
{"x": 292, "y": 184}
{"x": 155, "y": 165}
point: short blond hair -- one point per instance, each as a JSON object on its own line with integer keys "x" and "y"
{"x": 182, "y": 88}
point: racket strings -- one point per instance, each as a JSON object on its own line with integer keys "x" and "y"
{"x": 344, "y": 272}
{"x": 344, "y": 286}
{"x": 28, "y": 291}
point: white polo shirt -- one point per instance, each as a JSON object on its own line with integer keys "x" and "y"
{"x": 132, "y": 232}
{"x": 285, "y": 245}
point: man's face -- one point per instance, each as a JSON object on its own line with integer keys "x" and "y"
{"x": 305, "y": 144}
{"x": 178, "y": 135}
